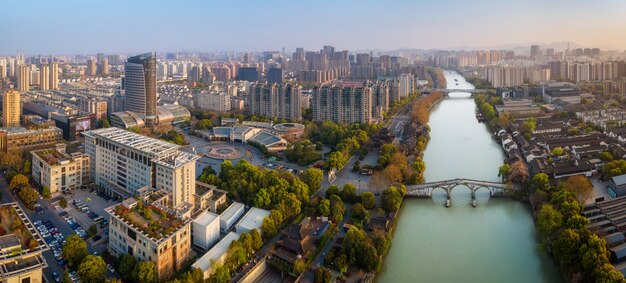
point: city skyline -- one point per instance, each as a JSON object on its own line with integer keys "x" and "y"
{"x": 121, "y": 27}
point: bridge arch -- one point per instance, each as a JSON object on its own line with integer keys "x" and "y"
{"x": 478, "y": 188}
{"x": 445, "y": 189}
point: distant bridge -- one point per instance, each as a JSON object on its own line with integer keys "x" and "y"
{"x": 449, "y": 90}
{"x": 425, "y": 190}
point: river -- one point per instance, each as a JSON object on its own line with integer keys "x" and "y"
{"x": 494, "y": 242}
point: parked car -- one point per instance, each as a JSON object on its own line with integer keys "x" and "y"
{"x": 110, "y": 268}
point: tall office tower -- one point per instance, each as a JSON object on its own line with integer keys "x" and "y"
{"x": 104, "y": 67}
{"x": 91, "y": 67}
{"x": 23, "y": 78}
{"x": 342, "y": 104}
{"x": 535, "y": 51}
{"x": 44, "y": 77}
{"x": 380, "y": 98}
{"x": 140, "y": 85}
{"x": 11, "y": 109}
{"x": 54, "y": 76}
{"x": 276, "y": 101}
{"x": 100, "y": 57}
{"x": 275, "y": 76}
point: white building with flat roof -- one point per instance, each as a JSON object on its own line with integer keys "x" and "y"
{"x": 252, "y": 220}
{"x": 230, "y": 216}
{"x": 206, "y": 230}
{"x": 216, "y": 254}
{"x": 124, "y": 162}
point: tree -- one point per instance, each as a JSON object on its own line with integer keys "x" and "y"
{"x": 28, "y": 196}
{"x": 66, "y": 277}
{"x": 336, "y": 160}
{"x": 93, "y": 230}
{"x": 126, "y": 266}
{"x": 348, "y": 193}
{"x": 104, "y": 123}
{"x": 257, "y": 241}
{"x": 540, "y": 181}
{"x": 393, "y": 173}
{"x": 145, "y": 271}
{"x": 204, "y": 124}
{"x": 268, "y": 227}
{"x": 313, "y": 178}
{"x": 359, "y": 212}
{"x": 337, "y": 208}
{"x": 391, "y": 199}
{"x": 322, "y": 275}
{"x": 74, "y": 250}
{"x": 557, "y": 151}
{"x": 504, "y": 171}
{"x": 332, "y": 190}
{"x": 299, "y": 266}
{"x": 45, "y": 192}
{"x": 323, "y": 208}
{"x": 92, "y": 269}
{"x": 18, "y": 181}
{"x": 549, "y": 220}
{"x": 63, "y": 202}
{"x": 368, "y": 200}
{"x": 581, "y": 186}
{"x": 26, "y": 168}
{"x": 221, "y": 274}
{"x": 606, "y": 156}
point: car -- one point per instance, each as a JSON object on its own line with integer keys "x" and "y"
{"x": 96, "y": 253}
{"x": 74, "y": 276}
{"x": 56, "y": 276}
{"x": 97, "y": 238}
{"x": 62, "y": 262}
{"x": 110, "y": 268}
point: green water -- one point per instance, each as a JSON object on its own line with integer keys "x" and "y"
{"x": 494, "y": 242}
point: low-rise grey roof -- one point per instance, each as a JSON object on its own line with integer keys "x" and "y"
{"x": 619, "y": 180}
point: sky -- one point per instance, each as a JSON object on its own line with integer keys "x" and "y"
{"x": 61, "y": 27}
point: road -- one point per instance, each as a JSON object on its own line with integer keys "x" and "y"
{"x": 49, "y": 214}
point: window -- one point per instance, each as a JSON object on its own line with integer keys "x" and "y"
{"x": 26, "y": 280}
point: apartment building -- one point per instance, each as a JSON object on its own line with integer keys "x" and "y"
{"x": 342, "y": 103}
{"x": 276, "y": 101}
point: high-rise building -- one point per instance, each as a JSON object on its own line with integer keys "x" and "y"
{"x": 23, "y": 78}
{"x": 91, "y": 67}
{"x": 276, "y": 101}
{"x": 342, "y": 104}
{"x": 140, "y": 86}
{"x": 250, "y": 74}
{"x": 104, "y": 67}
{"x": 535, "y": 51}
{"x": 214, "y": 101}
{"x": 275, "y": 76}
{"x": 54, "y": 76}
{"x": 44, "y": 77}
{"x": 11, "y": 109}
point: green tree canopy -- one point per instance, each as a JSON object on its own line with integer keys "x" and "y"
{"x": 145, "y": 271}
{"x": 368, "y": 200}
{"x": 74, "y": 250}
{"x": 92, "y": 269}
{"x": 18, "y": 181}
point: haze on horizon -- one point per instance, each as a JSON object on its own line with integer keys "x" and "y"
{"x": 118, "y": 26}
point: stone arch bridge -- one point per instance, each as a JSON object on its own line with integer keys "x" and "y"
{"x": 496, "y": 189}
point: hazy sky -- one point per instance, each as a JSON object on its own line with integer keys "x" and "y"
{"x": 90, "y": 26}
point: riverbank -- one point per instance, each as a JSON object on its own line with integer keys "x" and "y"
{"x": 462, "y": 243}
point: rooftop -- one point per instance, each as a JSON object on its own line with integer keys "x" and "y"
{"x": 204, "y": 263}
{"x": 147, "y": 145}
{"x": 177, "y": 159}
{"x": 619, "y": 180}
{"x": 206, "y": 218}
{"x": 150, "y": 219}
{"x": 253, "y": 218}
{"x": 17, "y": 233}
{"x": 52, "y": 156}
{"x": 231, "y": 210}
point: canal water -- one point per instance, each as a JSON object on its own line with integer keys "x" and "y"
{"x": 493, "y": 242}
